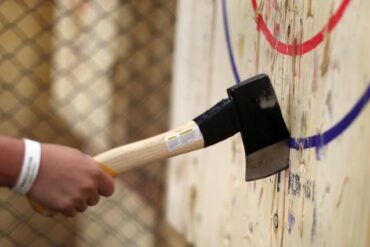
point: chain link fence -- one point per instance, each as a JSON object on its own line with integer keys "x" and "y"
{"x": 93, "y": 75}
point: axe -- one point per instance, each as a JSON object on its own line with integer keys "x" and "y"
{"x": 252, "y": 109}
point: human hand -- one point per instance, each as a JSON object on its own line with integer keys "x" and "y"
{"x": 69, "y": 181}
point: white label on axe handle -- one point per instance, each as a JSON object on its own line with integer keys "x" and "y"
{"x": 182, "y": 138}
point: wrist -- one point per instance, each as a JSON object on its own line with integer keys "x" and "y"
{"x": 11, "y": 157}
{"x": 14, "y": 164}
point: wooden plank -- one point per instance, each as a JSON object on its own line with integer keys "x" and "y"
{"x": 322, "y": 199}
{"x": 195, "y": 27}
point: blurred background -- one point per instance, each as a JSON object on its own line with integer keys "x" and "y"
{"x": 93, "y": 75}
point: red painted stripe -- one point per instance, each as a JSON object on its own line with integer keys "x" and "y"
{"x": 306, "y": 46}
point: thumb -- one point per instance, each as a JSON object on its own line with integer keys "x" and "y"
{"x": 106, "y": 184}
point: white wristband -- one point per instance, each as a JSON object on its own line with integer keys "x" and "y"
{"x": 30, "y": 167}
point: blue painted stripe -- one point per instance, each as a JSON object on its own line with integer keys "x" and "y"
{"x": 323, "y": 139}
{"x": 319, "y": 140}
{"x": 228, "y": 42}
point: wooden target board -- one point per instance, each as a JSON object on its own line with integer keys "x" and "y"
{"x": 316, "y": 54}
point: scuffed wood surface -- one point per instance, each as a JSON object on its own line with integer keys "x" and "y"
{"x": 323, "y": 199}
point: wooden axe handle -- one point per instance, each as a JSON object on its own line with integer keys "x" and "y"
{"x": 177, "y": 141}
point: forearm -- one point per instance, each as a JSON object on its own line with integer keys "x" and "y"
{"x": 11, "y": 158}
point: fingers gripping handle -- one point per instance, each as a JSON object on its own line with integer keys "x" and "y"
{"x": 49, "y": 212}
{"x": 183, "y": 139}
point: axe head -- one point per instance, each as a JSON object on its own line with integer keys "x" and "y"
{"x": 263, "y": 130}
{"x": 253, "y": 110}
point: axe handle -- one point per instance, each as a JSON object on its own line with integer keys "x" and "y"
{"x": 183, "y": 139}
{"x": 177, "y": 141}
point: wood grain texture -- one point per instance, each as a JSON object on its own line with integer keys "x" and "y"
{"x": 323, "y": 198}
{"x": 130, "y": 156}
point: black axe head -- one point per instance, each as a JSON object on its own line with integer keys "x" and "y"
{"x": 253, "y": 110}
